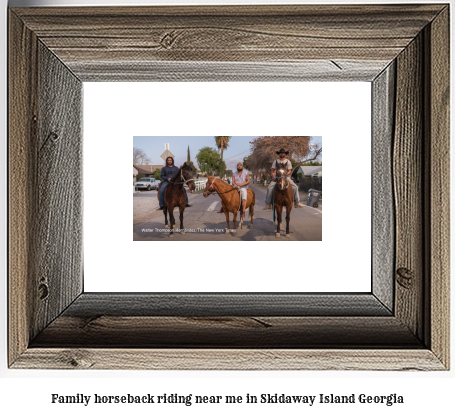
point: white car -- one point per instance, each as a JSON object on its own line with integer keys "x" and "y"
{"x": 148, "y": 183}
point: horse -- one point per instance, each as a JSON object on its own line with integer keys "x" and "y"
{"x": 283, "y": 195}
{"x": 174, "y": 195}
{"x": 230, "y": 200}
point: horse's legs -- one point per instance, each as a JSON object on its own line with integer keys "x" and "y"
{"x": 251, "y": 214}
{"x": 288, "y": 219}
{"x": 181, "y": 209}
{"x": 235, "y": 221}
{"x": 171, "y": 220}
{"x": 242, "y": 212}
{"x": 226, "y": 211}
{"x": 252, "y": 203}
{"x": 165, "y": 217}
{"x": 279, "y": 211}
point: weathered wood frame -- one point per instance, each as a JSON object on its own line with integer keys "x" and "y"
{"x": 403, "y": 50}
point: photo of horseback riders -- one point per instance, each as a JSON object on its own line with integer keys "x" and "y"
{"x": 227, "y": 188}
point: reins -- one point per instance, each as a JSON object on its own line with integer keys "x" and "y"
{"x": 182, "y": 178}
{"x": 222, "y": 193}
{"x": 227, "y": 191}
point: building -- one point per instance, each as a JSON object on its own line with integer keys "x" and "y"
{"x": 311, "y": 178}
{"x": 311, "y": 171}
{"x": 147, "y": 170}
{"x": 144, "y": 172}
{"x": 151, "y": 167}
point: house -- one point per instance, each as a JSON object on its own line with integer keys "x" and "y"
{"x": 143, "y": 172}
{"x": 311, "y": 171}
{"x": 151, "y": 167}
{"x": 147, "y": 170}
{"x": 312, "y": 178}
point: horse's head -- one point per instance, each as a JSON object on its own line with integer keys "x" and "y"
{"x": 281, "y": 171}
{"x": 187, "y": 174}
{"x": 208, "y": 186}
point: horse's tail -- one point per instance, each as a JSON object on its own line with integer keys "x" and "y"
{"x": 253, "y": 201}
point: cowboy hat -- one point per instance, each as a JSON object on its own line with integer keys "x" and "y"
{"x": 282, "y": 150}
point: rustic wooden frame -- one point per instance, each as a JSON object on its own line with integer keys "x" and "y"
{"x": 403, "y": 324}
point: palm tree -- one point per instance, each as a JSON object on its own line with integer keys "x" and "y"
{"x": 222, "y": 142}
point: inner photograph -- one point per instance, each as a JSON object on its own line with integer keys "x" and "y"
{"x": 227, "y": 188}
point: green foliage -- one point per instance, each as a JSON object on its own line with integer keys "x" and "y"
{"x": 222, "y": 142}
{"x": 312, "y": 163}
{"x": 139, "y": 177}
{"x": 209, "y": 161}
{"x": 157, "y": 174}
{"x": 229, "y": 173}
{"x": 188, "y": 158}
{"x": 245, "y": 162}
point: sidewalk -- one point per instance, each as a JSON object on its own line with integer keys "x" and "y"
{"x": 145, "y": 203}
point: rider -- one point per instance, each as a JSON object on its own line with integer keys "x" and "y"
{"x": 167, "y": 172}
{"x": 268, "y": 199}
{"x": 241, "y": 180}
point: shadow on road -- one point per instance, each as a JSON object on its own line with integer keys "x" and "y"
{"x": 203, "y": 225}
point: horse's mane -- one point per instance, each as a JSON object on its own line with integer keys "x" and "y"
{"x": 175, "y": 175}
{"x": 222, "y": 181}
{"x": 280, "y": 166}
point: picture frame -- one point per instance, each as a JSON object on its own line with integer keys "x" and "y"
{"x": 403, "y": 324}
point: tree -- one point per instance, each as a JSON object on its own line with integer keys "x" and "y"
{"x": 209, "y": 160}
{"x": 264, "y": 149}
{"x": 228, "y": 173}
{"x": 192, "y": 166}
{"x": 222, "y": 142}
{"x": 157, "y": 174}
{"x": 139, "y": 157}
{"x": 246, "y": 160}
{"x": 188, "y": 160}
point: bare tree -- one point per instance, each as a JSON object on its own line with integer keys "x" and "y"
{"x": 139, "y": 157}
{"x": 264, "y": 149}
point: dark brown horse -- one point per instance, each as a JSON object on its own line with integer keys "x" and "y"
{"x": 230, "y": 200}
{"x": 174, "y": 195}
{"x": 283, "y": 197}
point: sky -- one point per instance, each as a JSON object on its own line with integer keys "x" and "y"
{"x": 239, "y": 147}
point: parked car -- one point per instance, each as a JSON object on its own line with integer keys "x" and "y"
{"x": 148, "y": 183}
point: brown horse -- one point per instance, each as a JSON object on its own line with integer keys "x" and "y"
{"x": 230, "y": 200}
{"x": 174, "y": 195}
{"x": 283, "y": 196}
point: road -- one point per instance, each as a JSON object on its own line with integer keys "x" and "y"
{"x": 208, "y": 225}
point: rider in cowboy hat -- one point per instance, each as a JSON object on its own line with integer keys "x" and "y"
{"x": 268, "y": 199}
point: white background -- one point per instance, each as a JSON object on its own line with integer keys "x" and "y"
{"x": 115, "y": 112}
{"x": 29, "y": 391}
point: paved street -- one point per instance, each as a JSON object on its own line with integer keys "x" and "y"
{"x": 203, "y": 223}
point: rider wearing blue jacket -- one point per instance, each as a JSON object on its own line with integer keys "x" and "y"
{"x": 167, "y": 173}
